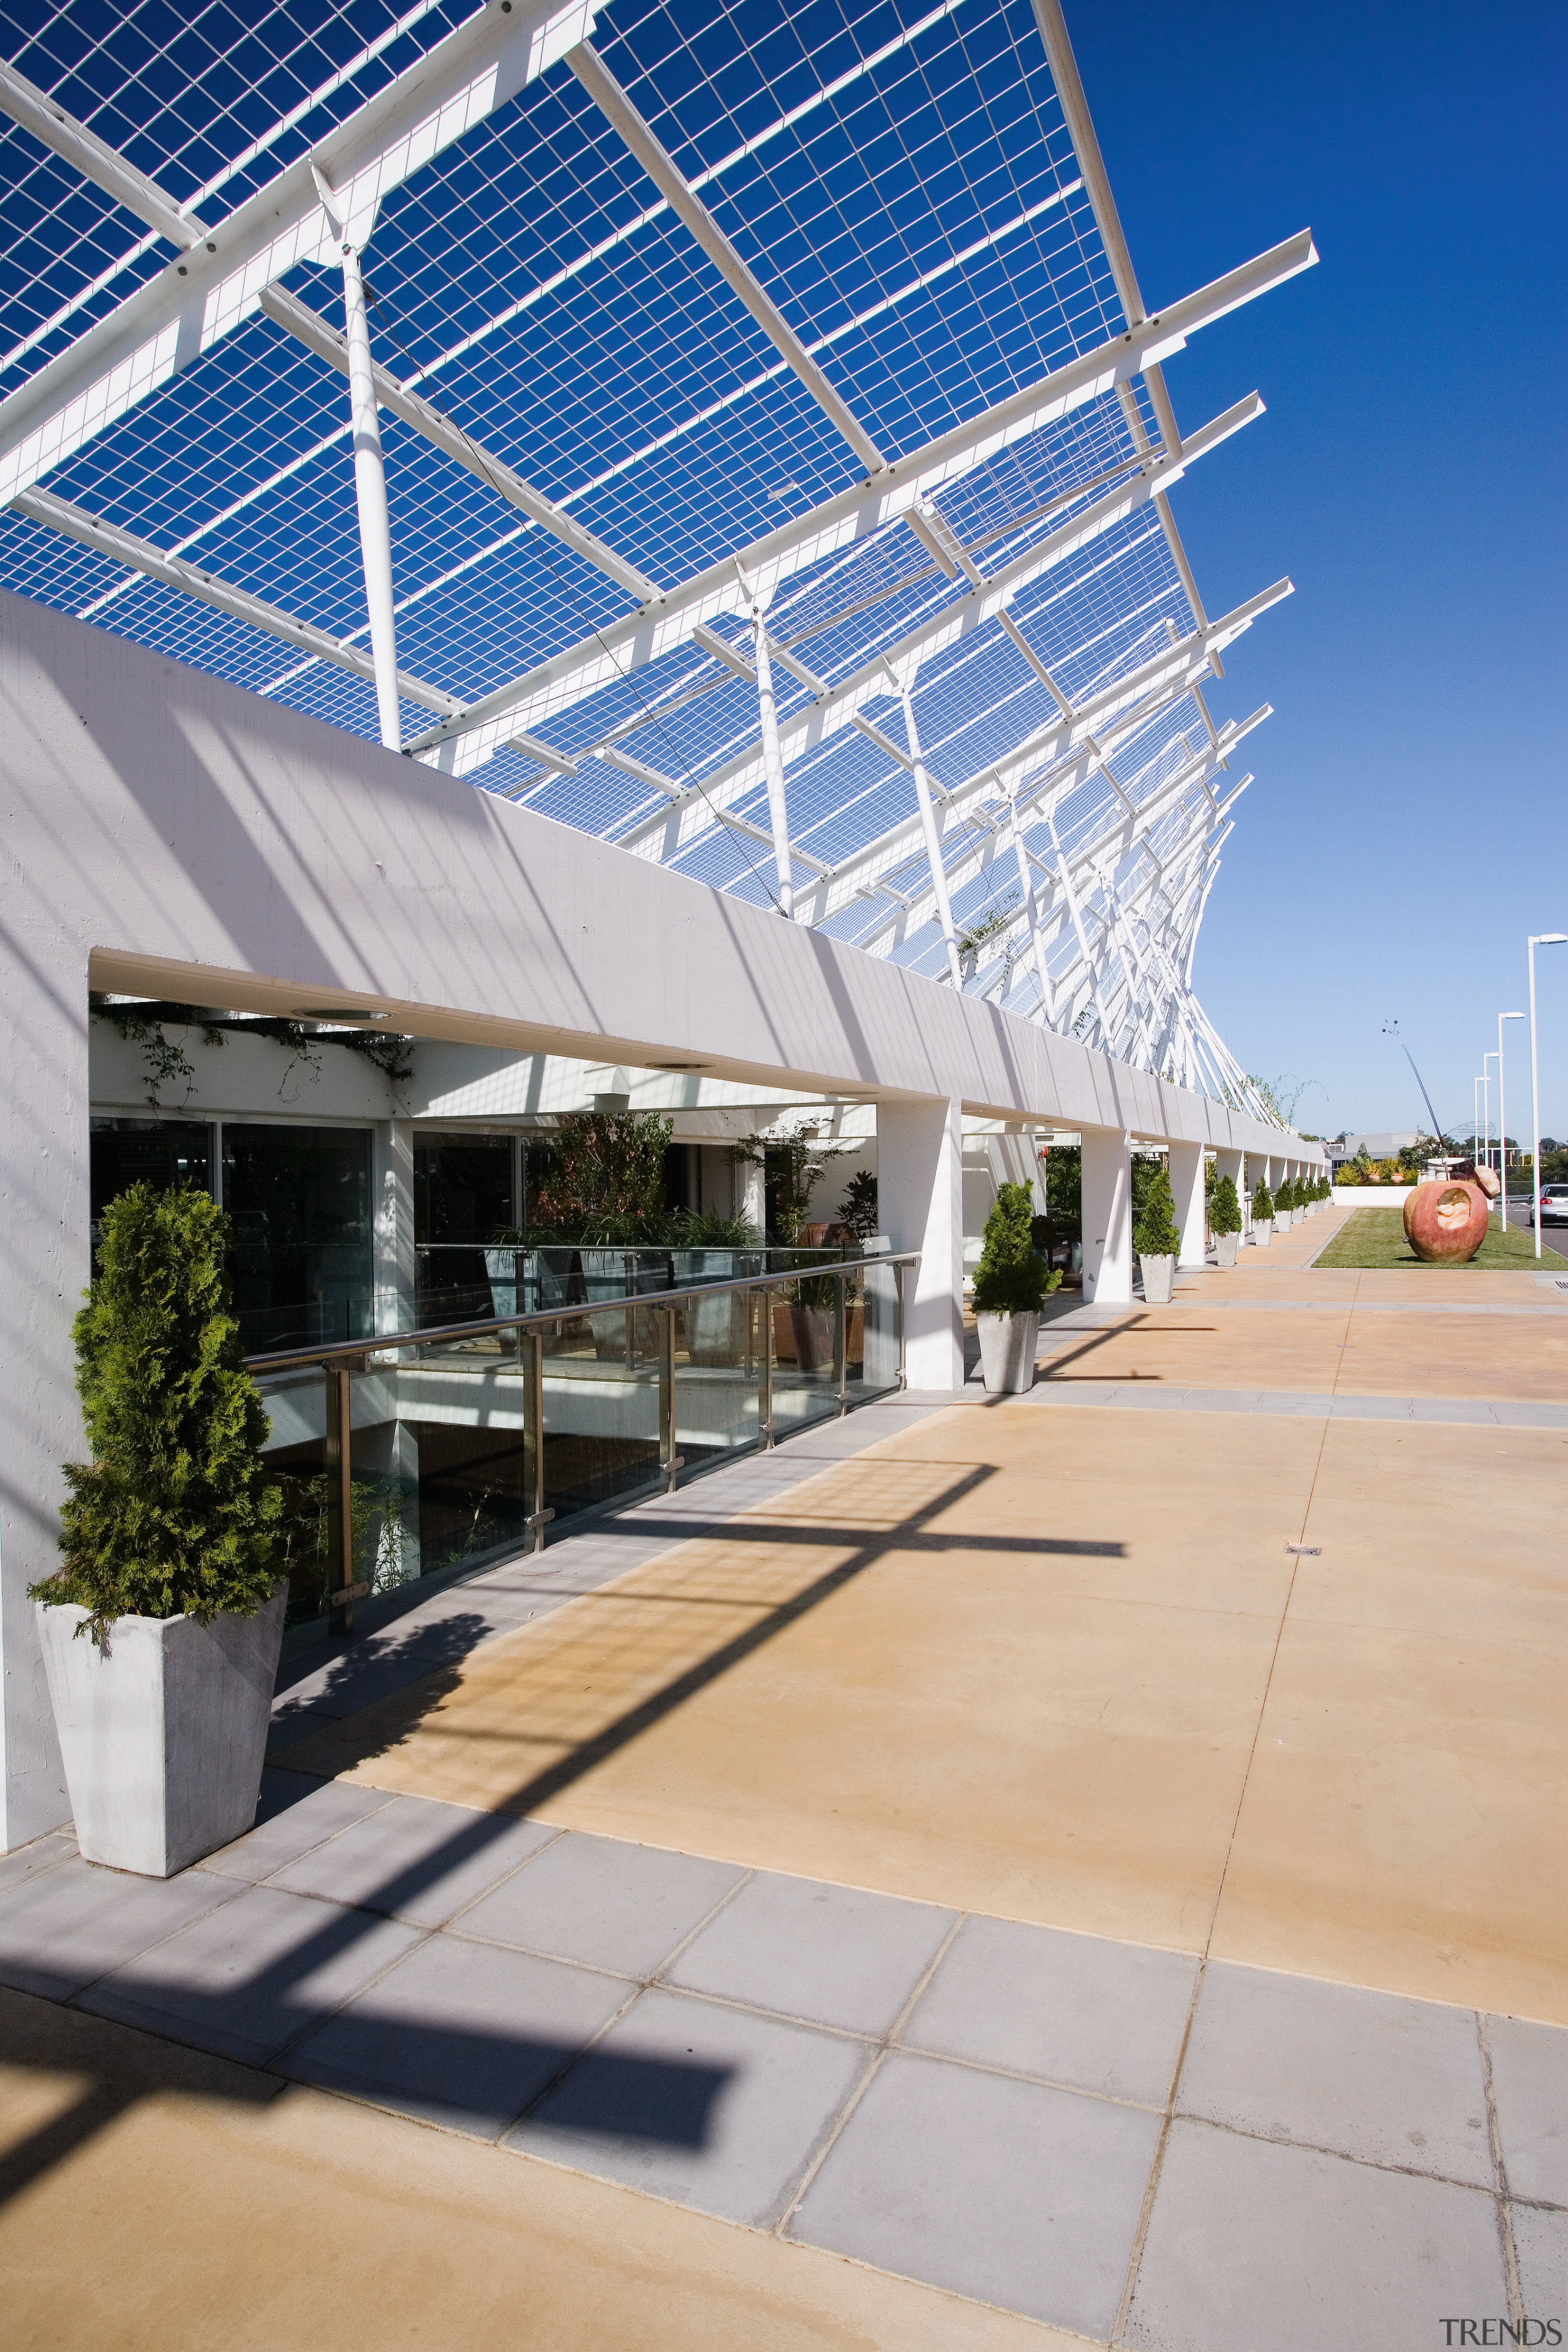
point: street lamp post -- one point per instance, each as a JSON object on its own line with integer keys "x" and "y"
{"x": 1487, "y": 1105}
{"x": 1537, "y": 940}
{"x": 1502, "y": 1112}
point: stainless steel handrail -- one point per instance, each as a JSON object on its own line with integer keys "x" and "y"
{"x": 341, "y": 1359}
{"x": 539, "y": 1317}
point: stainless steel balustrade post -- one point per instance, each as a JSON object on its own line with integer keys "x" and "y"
{"x": 671, "y": 1463}
{"x": 899, "y": 1273}
{"x": 532, "y": 1345}
{"x": 841, "y": 1343}
{"x": 765, "y": 1372}
{"x": 341, "y": 1590}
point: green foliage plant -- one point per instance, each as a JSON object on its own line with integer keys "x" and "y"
{"x": 1262, "y": 1204}
{"x": 858, "y": 1209}
{"x": 174, "y": 1516}
{"x": 1155, "y": 1233}
{"x": 1224, "y": 1209}
{"x": 1012, "y": 1279}
{"x": 1284, "y": 1197}
{"x": 793, "y": 1160}
{"x": 602, "y": 1179}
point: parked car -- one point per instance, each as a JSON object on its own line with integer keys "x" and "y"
{"x": 1554, "y": 1205}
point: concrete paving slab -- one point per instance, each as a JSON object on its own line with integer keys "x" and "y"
{"x": 1364, "y": 2074}
{"x": 608, "y": 1903}
{"x": 244, "y": 1980}
{"x": 1541, "y": 2248}
{"x": 713, "y": 2106}
{"x": 1530, "y": 2086}
{"x": 1018, "y": 2194}
{"x": 1075, "y": 2010}
{"x": 294, "y": 1814}
{"x": 62, "y": 1928}
{"x": 359, "y": 2229}
{"x": 1250, "y": 2243}
{"x": 43, "y": 1853}
{"x": 833, "y": 1955}
{"x": 415, "y": 1859}
{"x": 460, "y": 2034}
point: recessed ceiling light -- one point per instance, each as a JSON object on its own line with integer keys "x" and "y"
{"x": 678, "y": 1066}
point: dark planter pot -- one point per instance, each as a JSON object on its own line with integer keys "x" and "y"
{"x": 812, "y": 1327}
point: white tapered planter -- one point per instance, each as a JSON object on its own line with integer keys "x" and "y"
{"x": 163, "y": 1730}
{"x": 1262, "y": 1231}
{"x": 1007, "y": 1348}
{"x": 1224, "y": 1249}
{"x": 1159, "y": 1274}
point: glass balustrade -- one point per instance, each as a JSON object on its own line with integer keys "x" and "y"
{"x": 431, "y": 1451}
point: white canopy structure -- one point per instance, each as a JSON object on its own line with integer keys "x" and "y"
{"x": 735, "y": 433}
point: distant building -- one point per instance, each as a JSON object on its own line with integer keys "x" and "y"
{"x": 1376, "y": 1147}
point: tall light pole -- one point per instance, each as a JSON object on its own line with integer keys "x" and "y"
{"x": 1487, "y": 1103}
{"x": 1502, "y": 1112}
{"x": 1538, "y": 940}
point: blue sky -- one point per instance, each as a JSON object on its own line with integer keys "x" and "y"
{"x": 1408, "y": 825}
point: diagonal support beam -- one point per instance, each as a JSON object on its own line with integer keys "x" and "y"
{"x": 88, "y": 153}
{"x": 308, "y": 327}
{"x": 206, "y": 588}
{"x": 193, "y": 303}
{"x": 856, "y": 515}
{"x": 618, "y": 111}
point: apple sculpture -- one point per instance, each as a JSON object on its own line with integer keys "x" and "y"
{"x": 1446, "y": 1223}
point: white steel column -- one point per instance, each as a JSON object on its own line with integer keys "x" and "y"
{"x": 1106, "y": 1216}
{"x": 1187, "y": 1192}
{"x": 393, "y": 1226}
{"x": 773, "y": 760}
{"x": 1031, "y": 909}
{"x": 370, "y": 489}
{"x": 932, "y": 837}
{"x": 920, "y": 1197}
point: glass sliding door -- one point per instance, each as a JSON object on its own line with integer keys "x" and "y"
{"x": 300, "y": 1198}
{"x": 462, "y": 1198}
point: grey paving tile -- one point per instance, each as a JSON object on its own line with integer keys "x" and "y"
{"x": 1541, "y": 2243}
{"x": 245, "y": 1980}
{"x": 60, "y": 1928}
{"x": 1008, "y": 2191}
{"x": 415, "y": 1859}
{"x": 1530, "y": 2084}
{"x": 709, "y": 2106}
{"x": 462, "y": 2034}
{"x": 615, "y": 1905}
{"x": 1250, "y": 2243}
{"x": 293, "y": 1719}
{"x": 296, "y": 1812}
{"x": 1374, "y": 2076}
{"x": 1077, "y": 2009}
{"x": 832, "y": 1954}
{"x": 43, "y": 1853}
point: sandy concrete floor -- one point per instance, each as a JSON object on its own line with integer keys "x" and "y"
{"x": 153, "y": 2199}
{"x": 1061, "y": 1667}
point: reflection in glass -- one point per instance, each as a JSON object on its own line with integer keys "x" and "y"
{"x": 299, "y": 1200}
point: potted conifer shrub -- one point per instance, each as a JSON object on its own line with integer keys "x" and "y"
{"x": 1262, "y": 1216}
{"x": 1157, "y": 1241}
{"x": 1225, "y": 1220}
{"x": 1010, "y": 1282}
{"x": 161, "y": 1627}
{"x": 1285, "y": 1205}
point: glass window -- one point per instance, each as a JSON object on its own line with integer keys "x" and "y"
{"x": 156, "y": 1151}
{"x": 462, "y": 1198}
{"x": 299, "y": 1199}
{"x": 462, "y": 1187}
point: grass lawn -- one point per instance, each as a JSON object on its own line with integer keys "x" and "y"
{"x": 1375, "y": 1237}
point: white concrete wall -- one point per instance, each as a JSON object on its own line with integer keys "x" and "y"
{"x": 167, "y": 833}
